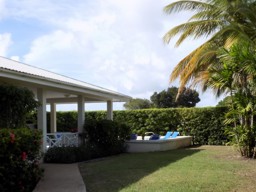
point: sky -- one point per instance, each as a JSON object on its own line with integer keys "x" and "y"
{"x": 115, "y": 44}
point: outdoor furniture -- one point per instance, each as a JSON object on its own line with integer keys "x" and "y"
{"x": 168, "y": 134}
{"x": 149, "y": 133}
{"x": 154, "y": 137}
{"x": 175, "y": 134}
{"x": 133, "y": 136}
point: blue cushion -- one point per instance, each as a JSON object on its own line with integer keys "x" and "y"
{"x": 168, "y": 134}
{"x": 154, "y": 137}
{"x": 175, "y": 134}
{"x": 133, "y": 136}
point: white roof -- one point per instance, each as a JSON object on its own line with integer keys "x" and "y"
{"x": 8, "y": 65}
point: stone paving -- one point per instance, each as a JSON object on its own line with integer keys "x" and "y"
{"x": 61, "y": 178}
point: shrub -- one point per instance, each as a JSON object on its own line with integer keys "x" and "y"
{"x": 19, "y": 157}
{"x": 72, "y": 154}
{"x": 204, "y": 124}
{"x": 60, "y": 155}
{"x": 108, "y": 136}
{"x": 16, "y": 103}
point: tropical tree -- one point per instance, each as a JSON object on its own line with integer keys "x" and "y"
{"x": 225, "y": 102}
{"x": 163, "y": 99}
{"x": 240, "y": 82}
{"x": 138, "y": 104}
{"x": 223, "y": 22}
{"x": 168, "y": 98}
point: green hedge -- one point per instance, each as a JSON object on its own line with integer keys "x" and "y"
{"x": 204, "y": 124}
{"x": 103, "y": 138}
{"x": 19, "y": 157}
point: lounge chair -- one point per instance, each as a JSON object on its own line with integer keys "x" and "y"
{"x": 133, "y": 136}
{"x": 175, "y": 134}
{"x": 154, "y": 137}
{"x": 167, "y": 135}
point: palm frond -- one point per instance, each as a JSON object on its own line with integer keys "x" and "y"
{"x": 186, "y": 6}
{"x": 194, "y": 29}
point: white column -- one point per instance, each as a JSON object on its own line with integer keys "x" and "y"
{"x": 110, "y": 110}
{"x": 81, "y": 118}
{"x": 53, "y": 118}
{"x": 41, "y": 115}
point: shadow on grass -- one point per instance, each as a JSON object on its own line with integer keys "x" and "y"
{"x": 118, "y": 172}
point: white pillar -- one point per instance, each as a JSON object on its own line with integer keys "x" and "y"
{"x": 110, "y": 110}
{"x": 41, "y": 115}
{"x": 81, "y": 118}
{"x": 53, "y": 118}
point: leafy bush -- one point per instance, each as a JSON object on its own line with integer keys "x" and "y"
{"x": 16, "y": 103}
{"x": 204, "y": 124}
{"x": 109, "y": 136}
{"x": 73, "y": 154}
{"x": 19, "y": 157}
{"x": 67, "y": 154}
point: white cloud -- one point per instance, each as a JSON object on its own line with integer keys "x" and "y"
{"x": 208, "y": 99}
{"x": 5, "y": 43}
{"x": 109, "y": 44}
{"x": 114, "y": 44}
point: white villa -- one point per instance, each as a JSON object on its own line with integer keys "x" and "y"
{"x": 51, "y": 88}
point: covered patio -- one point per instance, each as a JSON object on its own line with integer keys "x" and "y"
{"x": 52, "y": 89}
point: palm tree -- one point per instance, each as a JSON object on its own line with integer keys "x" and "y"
{"x": 236, "y": 74}
{"x": 223, "y": 22}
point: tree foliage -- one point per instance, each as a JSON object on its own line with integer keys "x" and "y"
{"x": 226, "y": 62}
{"x": 168, "y": 98}
{"x": 239, "y": 81}
{"x": 138, "y": 104}
{"x": 15, "y": 104}
{"x": 223, "y": 22}
{"x": 226, "y": 102}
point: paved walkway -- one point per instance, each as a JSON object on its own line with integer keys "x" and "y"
{"x": 61, "y": 178}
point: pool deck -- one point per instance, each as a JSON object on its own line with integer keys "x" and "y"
{"x": 137, "y": 146}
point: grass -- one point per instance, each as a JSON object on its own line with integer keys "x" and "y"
{"x": 205, "y": 168}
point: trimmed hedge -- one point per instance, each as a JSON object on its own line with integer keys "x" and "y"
{"x": 204, "y": 124}
{"x": 19, "y": 157}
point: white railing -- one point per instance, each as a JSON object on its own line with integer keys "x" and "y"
{"x": 62, "y": 139}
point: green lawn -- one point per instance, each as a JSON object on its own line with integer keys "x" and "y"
{"x": 205, "y": 168}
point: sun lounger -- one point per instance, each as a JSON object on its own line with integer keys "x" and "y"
{"x": 175, "y": 134}
{"x": 154, "y": 137}
{"x": 133, "y": 136}
{"x": 167, "y": 135}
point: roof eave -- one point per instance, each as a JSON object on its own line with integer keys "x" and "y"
{"x": 77, "y": 89}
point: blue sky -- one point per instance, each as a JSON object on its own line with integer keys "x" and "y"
{"x": 116, "y": 44}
